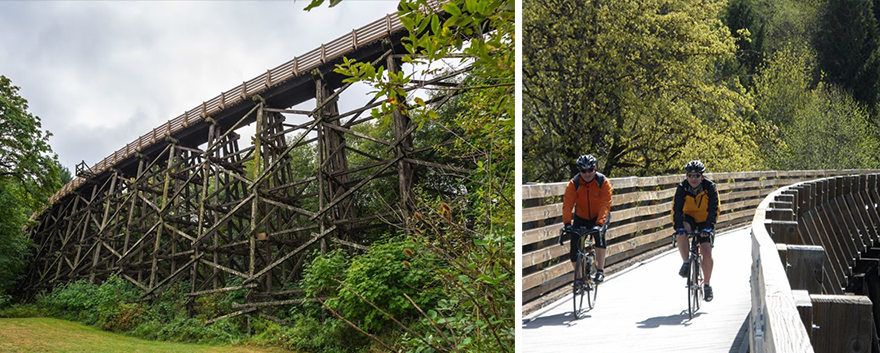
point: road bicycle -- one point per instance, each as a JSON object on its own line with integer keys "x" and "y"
{"x": 695, "y": 274}
{"x": 585, "y": 269}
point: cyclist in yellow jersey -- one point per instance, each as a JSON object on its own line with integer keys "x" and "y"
{"x": 695, "y": 207}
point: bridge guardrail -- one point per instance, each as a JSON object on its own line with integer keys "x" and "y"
{"x": 815, "y": 267}
{"x": 640, "y": 224}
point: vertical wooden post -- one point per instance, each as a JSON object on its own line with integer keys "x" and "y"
{"x": 163, "y": 203}
{"x": 401, "y": 128}
{"x": 805, "y": 267}
{"x": 203, "y": 194}
{"x": 845, "y": 323}
{"x": 134, "y": 189}
{"x": 256, "y": 201}
{"x": 784, "y": 232}
{"x": 805, "y": 309}
{"x": 322, "y": 177}
{"x": 336, "y": 156}
{"x": 790, "y": 195}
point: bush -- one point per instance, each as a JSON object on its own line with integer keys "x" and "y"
{"x": 381, "y": 277}
{"x": 20, "y": 311}
{"x": 92, "y": 304}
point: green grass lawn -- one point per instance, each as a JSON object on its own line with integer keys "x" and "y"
{"x": 54, "y": 335}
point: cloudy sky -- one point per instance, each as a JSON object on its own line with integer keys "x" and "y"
{"x": 99, "y": 74}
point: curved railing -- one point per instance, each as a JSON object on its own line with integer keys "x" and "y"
{"x": 381, "y": 28}
{"x": 640, "y": 224}
{"x": 814, "y": 266}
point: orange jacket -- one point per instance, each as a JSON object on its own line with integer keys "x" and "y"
{"x": 593, "y": 199}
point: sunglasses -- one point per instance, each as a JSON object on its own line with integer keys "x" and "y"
{"x": 590, "y": 170}
{"x": 694, "y": 176}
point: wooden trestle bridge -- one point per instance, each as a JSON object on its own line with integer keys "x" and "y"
{"x": 187, "y": 201}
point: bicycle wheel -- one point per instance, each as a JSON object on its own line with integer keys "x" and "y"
{"x": 694, "y": 288}
{"x": 699, "y": 286}
{"x": 592, "y": 288}
{"x": 578, "y": 285}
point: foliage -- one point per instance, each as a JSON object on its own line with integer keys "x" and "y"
{"x": 29, "y": 173}
{"x": 381, "y": 276}
{"x": 25, "y": 158}
{"x": 13, "y": 245}
{"x": 781, "y": 91}
{"x": 476, "y": 312}
{"x": 630, "y": 82}
{"x": 815, "y": 126}
{"x": 475, "y": 267}
{"x": 742, "y": 20}
{"x": 309, "y": 334}
{"x": 785, "y": 22}
{"x": 98, "y": 305}
{"x": 847, "y": 43}
{"x": 832, "y": 132}
{"x": 113, "y": 306}
{"x": 20, "y": 311}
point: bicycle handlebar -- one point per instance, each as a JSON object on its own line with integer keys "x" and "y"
{"x": 583, "y": 231}
{"x": 690, "y": 235}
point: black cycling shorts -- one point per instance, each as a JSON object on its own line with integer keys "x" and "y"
{"x": 598, "y": 239}
{"x": 699, "y": 226}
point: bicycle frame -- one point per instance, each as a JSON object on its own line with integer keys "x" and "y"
{"x": 585, "y": 268}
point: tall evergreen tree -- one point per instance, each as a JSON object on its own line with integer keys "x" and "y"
{"x": 847, "y": 42}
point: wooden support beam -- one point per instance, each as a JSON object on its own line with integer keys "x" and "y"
{"x": 804, "y": 267}
{"x": 805, "y": 308}
{"x": 845, "y": 323}
{"x": 783, "y": 232}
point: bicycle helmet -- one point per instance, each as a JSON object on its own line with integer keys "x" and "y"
{"x": 695, "y": 166}
{"x": 586, "y": 161}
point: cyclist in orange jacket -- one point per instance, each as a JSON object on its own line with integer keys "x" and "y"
{"x": 589, "y": 194}
{"x": 696, "y": 206}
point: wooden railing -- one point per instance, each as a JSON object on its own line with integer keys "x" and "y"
{"x": 815, "y": 266}
{"x": 381, "y": 28}
{"x": 641, "y": 221}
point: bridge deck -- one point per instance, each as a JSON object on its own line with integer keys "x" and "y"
{"x": 644, "y": 309}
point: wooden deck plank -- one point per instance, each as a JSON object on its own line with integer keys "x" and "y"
{"x": 645, "y": 309}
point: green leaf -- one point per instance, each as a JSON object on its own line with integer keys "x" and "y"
{"x": 452, "y": 9}
{"x": 435, "y": 24}
{"x": 314, "y": 4}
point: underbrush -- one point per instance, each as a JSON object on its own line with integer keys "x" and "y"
{"x": 394, "y": 293}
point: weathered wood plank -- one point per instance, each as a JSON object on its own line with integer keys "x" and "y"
{"x": 845, "y": 323}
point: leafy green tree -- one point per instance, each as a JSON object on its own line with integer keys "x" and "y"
{"x": 28, "y": 176}
{"x": 781, "y": 90}
{"x": 13, "y": 246}
{"x": 26, "y": 157}
{"x": 809, "y": 126}
{"x": 764, "y": 27}
{"x": 832, "y": 132}
{"x": 630, "y": 82}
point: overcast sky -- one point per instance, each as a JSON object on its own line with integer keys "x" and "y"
{"x": 99, "y": 74}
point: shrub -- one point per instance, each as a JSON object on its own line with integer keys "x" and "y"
{"x": 381, "y": 277}
{"x": 21, "y": 310}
